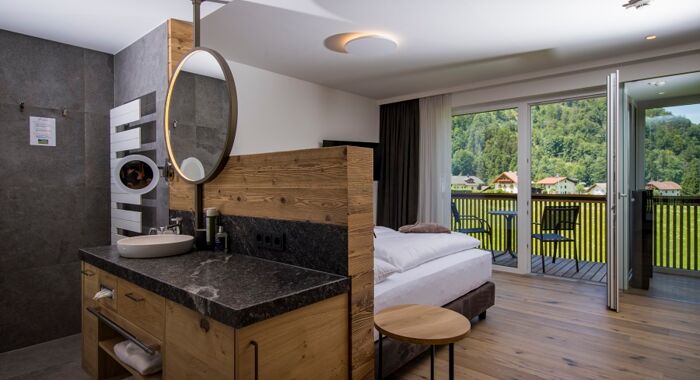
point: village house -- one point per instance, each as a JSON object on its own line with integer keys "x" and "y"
{"x": 507, "y": 181}
{"x": 600, "y": 188}
{"x": 665, "y": 188}
{"x": 466, "y": 182}
{"x": 557, "y": 185}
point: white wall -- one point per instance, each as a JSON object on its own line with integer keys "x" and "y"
{"x": 575, "y": 79}
{"x": 279, "y": 113}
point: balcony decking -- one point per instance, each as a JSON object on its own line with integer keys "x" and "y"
{"x": 588, "y": 271}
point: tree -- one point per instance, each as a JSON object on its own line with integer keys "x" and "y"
{"x": 691, "y": 180}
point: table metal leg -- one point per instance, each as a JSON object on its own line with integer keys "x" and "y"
{"x": 509, "y": 236}
{"x": 452, "y": 361}
{"x": 432, "y": 362}
{"x": 379, "y": 365}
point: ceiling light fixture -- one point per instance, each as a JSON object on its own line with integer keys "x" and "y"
{"x": 370, "y": 45}
{"x": 650, "y": 37}
{"x": 657, "y": 84}
{"x": 636, "y": 4}
{"x": 661, "y": 93}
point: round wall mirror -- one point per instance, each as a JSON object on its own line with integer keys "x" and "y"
{"x": 201, "y": 112}
{"x": 136, "y": 174}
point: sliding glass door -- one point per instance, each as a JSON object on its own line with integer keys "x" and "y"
{"x": 569, "y": 175}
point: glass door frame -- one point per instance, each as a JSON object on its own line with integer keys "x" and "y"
{"x": 524, "y": 197}
{"x": 522, "y": 202}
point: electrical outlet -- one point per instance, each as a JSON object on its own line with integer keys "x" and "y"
{"x": 272, "y": 242}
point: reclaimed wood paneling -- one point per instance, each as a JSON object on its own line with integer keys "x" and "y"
{"x": 325, "y": 185}
{"x": 180, "y": 42}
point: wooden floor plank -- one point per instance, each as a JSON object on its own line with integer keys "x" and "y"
{"x": 548, "y": 328}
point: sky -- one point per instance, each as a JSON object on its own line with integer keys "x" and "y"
{"x": 692, "y": 112}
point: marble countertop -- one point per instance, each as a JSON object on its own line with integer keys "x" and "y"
{"x": 237, "y": 290}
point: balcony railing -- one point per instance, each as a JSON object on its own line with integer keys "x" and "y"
{"x": 676, "y": 225}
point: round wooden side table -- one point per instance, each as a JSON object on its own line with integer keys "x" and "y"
{"x": 421, "y": 324}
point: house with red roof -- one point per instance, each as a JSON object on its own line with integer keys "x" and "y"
{"x": 665, "y": 188}
{"x": 507, "y": 181}
{"x": 557, "y": 185}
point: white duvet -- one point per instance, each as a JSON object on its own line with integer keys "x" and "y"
{"x": 406, "y": 251}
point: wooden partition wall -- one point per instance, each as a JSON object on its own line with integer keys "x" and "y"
{"x": 324, "y": 185}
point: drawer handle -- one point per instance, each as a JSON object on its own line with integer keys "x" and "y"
{"x": 133, "y": 297}
{"x": 204, "y": 325}
{"x": 87, "y": 272}
{"x": 255, "y": 350}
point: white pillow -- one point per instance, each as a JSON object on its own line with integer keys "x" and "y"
{"x": 380, "y": 231}
{"x": 406, "y": 251}
{"x": 382, "y": 270}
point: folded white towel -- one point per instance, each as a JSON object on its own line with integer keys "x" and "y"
{"x": 137, "y": 358}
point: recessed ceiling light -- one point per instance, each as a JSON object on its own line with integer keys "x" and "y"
{"x": 661, "y": 93}
{"x": 370, "y": 45}
{"x": 650, "y": 37}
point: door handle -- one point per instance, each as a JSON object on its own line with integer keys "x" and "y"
{"x": 133, "y": 297}
{"x": 255, "y": 350}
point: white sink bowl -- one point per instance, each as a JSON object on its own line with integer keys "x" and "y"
{"x": 150, "y": 246}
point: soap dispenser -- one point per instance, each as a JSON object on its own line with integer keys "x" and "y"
{"x": 211, "y": 214}
{"x": 221, "y": 241}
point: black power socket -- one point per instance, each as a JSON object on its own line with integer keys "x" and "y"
{"x": 271, "y": 241}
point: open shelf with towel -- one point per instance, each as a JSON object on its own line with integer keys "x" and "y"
{"x": 108, "y": 347}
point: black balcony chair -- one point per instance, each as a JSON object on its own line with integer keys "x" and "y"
{"x": 555, "y": 220}
{"x": 472, "y": 225}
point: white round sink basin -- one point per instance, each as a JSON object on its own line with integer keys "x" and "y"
{"x": 150, "y": 246}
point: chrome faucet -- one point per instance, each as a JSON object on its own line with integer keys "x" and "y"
{"x": 175, "y": 226}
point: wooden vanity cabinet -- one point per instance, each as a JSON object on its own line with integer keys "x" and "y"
{"x": 307, "y": 343}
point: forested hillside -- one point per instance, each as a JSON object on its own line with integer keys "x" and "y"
{"x": 569, "y": 139}
{"x": 672, "y": 150}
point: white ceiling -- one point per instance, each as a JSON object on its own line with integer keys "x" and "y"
{"x": 104, "y": 25}
{"x": 674, "y": 86}
{"x": 443, "y": 43}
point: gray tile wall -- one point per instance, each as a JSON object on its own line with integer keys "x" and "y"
{"x": 140, "y": 69}
{"x": 53, "y": 200}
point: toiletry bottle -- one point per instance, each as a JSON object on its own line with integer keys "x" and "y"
{"x": 211, "y": 214}
{"x": 221, "y": 241}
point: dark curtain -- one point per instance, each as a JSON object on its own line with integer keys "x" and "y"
{"x": 399, "y": 134}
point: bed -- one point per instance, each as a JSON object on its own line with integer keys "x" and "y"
{"x": 449, "y": 276}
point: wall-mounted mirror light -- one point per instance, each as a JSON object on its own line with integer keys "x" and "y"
{"x": 136, "y": 174}
{"x": 201, "y": 115}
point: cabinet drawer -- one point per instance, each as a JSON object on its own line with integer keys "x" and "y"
{"x": 142, "y": 308}
{"x": 109, "y": 281}
{"x": 90, "y": 284}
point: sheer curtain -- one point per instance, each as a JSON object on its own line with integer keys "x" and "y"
{"x": 435, "y": 159}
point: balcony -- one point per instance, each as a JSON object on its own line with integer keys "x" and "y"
{"x": 676, "y": 232}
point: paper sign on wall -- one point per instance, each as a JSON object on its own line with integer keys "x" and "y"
{"x": 42, "y": 131}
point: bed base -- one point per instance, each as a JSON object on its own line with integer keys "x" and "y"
{"x": 473, "y": 304}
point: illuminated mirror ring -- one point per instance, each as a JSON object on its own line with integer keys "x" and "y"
{"x": 201, "y": 113}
